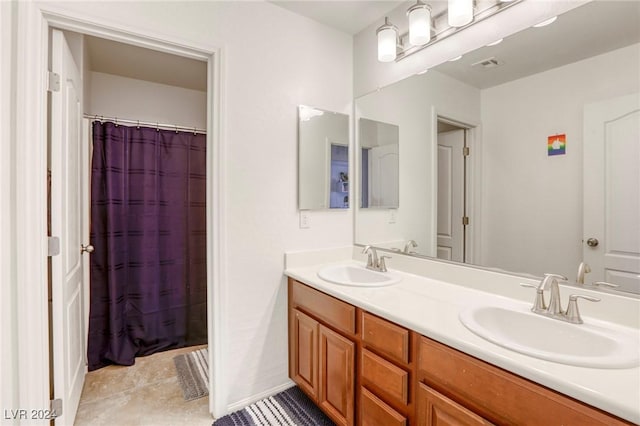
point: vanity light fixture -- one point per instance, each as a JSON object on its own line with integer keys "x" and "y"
{"x": 457, "y": 58}
{"x": 546, "y": 22}
{"x": 460, "y": 12}
{"x": 427, "y": 27}
{"x": 495, "y": 42}
{"x": 387, "y": 41}
{"x": 419, "y": 23}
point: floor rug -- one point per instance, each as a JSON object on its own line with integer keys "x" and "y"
{"x": 193, "y": 373}
{"x": 288, "y": 408}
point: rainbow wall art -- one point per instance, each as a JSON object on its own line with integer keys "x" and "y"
{"x": 556, "y": 145}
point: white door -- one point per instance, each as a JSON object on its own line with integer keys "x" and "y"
{"x": 67, "y": 320}
{"x": 612, "y": 191}
{"x": 383, "y": 176}
{"x": 450, "y": 195}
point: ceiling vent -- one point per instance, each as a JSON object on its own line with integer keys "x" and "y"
{"x": 488, "y": 63}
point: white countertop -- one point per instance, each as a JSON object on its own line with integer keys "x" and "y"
{"x": 431, "y": 307}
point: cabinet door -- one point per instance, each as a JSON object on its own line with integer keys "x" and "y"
{"x": 304, "y": 352}
{"x": 435, "y": 409}
{"x": 336, "y": 365}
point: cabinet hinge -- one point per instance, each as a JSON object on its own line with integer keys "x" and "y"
{"x": 53, "y": 82}
{"x": 55, "y": 407}
{"x": 465, "y": 220}
{"x": 465, "y": 151}
{"x": 53, "y": 246}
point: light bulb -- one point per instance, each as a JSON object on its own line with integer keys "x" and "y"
{"x": 387, "y": 42}
{"x": 419, "y": 24}
{"x": 460, "y": 12}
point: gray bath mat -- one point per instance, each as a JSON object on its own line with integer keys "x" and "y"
{"x": 193, "y": 373}
{"x": 288, "y": 408}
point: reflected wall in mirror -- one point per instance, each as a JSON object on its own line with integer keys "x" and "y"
{"x": 323, "y": 159}
{"x": 379, "y": 150}
{"x": 528, "y": 212}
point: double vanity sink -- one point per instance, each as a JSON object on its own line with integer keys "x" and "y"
{"x": 487, "y": 315}
{"x": 594, "y": 344}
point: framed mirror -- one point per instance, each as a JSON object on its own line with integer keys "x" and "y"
{"x": 497, "y": 156}
{"x": 323, "y": 159}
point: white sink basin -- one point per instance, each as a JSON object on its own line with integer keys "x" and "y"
{"x": 354, "y": 275}
{"x": 586, "y": 345}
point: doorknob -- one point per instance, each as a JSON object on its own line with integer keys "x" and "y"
{"x": 86, "y": 249}
{"x": 592, "y": 242}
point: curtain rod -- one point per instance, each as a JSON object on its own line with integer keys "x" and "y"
{"x": 145, "y": 123}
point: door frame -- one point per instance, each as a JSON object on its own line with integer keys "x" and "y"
{"x": 32, "y": 34}
{"x": 473, "y": 181}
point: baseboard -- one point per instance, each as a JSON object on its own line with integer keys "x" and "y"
{"x": 253, "y": 398}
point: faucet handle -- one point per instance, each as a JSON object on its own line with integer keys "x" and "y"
{"x": 573, "y": 314}
{"x": 539, "y": 304}
{"x": 382, "y": 267}
{"x": 605, "y": 284}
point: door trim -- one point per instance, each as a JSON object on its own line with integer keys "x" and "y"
{"x": 32, "y": 32}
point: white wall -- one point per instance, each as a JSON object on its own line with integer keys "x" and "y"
{"x": 532, "y": 201}
{"x": 116, "y": 96}
{"x": 369, "y": 74}
{"x": 272, "y": 61}
{"x": 410, "y": 104}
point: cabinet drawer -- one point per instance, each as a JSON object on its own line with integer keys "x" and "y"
{"x": 331, "y": 311}
{"x": 374, "y": 412}
{"x": 497, "y": 395}
{"x": 386, "y": 337}
{"x": 391, "y": 380}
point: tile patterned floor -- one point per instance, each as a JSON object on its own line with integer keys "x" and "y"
{"x": 147, "y": 393}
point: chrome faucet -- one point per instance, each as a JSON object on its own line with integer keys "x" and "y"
{"x": 583, "y": 269}
{"x": 551, "y": 280}
{"x": 554, "y": 309}
{"x": 410, "y": 244}
{"x": 374, "y": 262}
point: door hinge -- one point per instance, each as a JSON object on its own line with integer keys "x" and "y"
{"x": 55, "y": 407}
{"x": 465, "y": 151}
{"x": 53, "y": 82}
{"x": 53, "y": 246}
{"x": 465, "y": 220}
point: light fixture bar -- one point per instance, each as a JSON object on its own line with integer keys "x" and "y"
{"x": 447, "y": 31}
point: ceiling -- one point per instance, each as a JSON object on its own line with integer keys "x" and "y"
{"x": 348, "y": 16}
{"x": 592, "y": 29}
{"x": 126, "y": 60}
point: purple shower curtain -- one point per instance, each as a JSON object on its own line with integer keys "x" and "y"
{"x": 148, "y": 228}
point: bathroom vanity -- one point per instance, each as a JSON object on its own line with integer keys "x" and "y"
{"x": 398, "y": 355}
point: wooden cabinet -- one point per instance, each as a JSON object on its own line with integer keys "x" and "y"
{"x": 303, "y": 352}
{"x": 385, "y": 372}
{"x": 435, "y": 409}
{"x": 375, "y": 412}
{"x": 340, "y": 354}
{"x": 499, "y": 396}
{"x": 322, "y": 350}
{"x": 336, "y": 376}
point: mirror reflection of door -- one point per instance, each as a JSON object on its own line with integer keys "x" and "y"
{"x": 379, "y": 165}
{"x": 451, "y": 192}
{"x": 612, "y": 191}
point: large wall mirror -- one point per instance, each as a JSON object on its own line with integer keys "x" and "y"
{"x": 522, "y": 156}
{"x": 323, "y": 159}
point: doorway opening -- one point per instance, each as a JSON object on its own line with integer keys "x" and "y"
{"x": 128, "y": 88}
{"x": 453, "y": 213}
